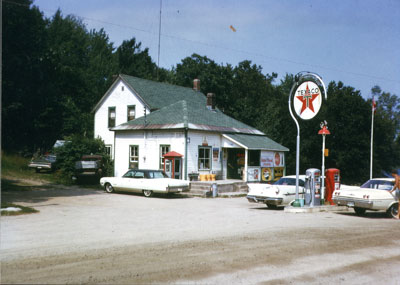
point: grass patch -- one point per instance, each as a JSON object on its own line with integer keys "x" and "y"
{"x": 14, "y": 166}
{"x": 24, "y": 210}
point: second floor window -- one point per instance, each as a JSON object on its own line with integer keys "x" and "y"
{"x": 111, "y": 117}
{"x": 131, "y": 112}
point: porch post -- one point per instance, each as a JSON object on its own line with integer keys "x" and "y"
{"x": 185, "y": 157}
{"x": 245, "y": 164}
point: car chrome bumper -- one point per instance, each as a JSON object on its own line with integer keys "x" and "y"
{"x": 266, "y": 200}
{"x": 351, "y": 202}
{"x": 40, "y": 166}
{"x": 176, "y": 189}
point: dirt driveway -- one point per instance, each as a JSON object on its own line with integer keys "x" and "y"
{"x": 87, "y": 236}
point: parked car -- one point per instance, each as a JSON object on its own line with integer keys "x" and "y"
{"x": 281, "y": 193}
{"x": 89, "y": 165}
{"x": 145, "y": 181}
{"x": 372, "y": 195}
{"x": 44, "y": 162}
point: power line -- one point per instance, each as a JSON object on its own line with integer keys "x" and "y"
{"x": 218, "y": 46}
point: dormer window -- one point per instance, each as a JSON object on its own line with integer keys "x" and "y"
{"x": 131, "y": 112}
{"x": 111, "y": 117}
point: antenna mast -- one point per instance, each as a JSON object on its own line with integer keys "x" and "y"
{"x": 159, "y": 40}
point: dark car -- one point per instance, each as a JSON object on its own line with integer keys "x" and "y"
{"x": 89, "y": 165}
{"x": 44, "y": 162}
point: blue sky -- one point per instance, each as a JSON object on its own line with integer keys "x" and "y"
{"x": 354, "y": 41}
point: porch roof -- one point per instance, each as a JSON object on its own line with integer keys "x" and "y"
{"x": 255, "y": 142}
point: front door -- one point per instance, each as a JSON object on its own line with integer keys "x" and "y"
{"x": 235, "y": 163}
{"x": 177, "y": 170}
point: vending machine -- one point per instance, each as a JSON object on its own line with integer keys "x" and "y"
{"x": 332, "y": 183}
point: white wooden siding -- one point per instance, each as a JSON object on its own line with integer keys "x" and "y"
{"x": 149, "y": 148}
{"x": 196, "y": 140}
{"x": 120, "y": 97}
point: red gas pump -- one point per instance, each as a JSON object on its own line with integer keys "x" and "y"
{"x": 332, "y": 183}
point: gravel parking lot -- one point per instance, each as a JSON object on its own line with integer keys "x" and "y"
{"x": 87, "y": 236}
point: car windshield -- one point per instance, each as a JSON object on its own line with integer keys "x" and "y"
{"x": 289, "y": 181}
{"x": 51, "y": 158}
{"x": 378, "y": 184}
{"x": 129, "y": 174}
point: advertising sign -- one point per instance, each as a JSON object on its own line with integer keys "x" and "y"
{"x": 215, "y": 154}
{"x": 266, "y": 174}
{"x": 253, "y": 174}
{"x": 308, "y": 100}
{"x": 267, "y": 159}
{"x": 278, "y": 159}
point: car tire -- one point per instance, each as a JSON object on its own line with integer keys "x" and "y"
{"x": 147, "y": 193}
{"x": 393, "y": 211}
{"x": 359, "y": 211}
{"x": 108, "y": 188}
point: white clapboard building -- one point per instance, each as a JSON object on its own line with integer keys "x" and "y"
{"x": 152, "y": 125}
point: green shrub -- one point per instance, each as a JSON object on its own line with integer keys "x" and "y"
{"x": 75, "y": 148}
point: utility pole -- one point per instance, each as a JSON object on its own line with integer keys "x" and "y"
{"x": 372, "y": 136}
{"x": 159, "y": 41}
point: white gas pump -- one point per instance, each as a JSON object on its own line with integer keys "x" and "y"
{"x": 312, "y": 194}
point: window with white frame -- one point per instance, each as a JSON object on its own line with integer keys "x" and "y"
{"x": 204, "y": 161}
{"x": 164, "y": 148}
{"x": 131, "y": 112}
{"x": 133, "y": 156}
{"x": 111, "y": 117}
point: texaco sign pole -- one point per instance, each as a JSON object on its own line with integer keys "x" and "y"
{"x": 307, "y": 103}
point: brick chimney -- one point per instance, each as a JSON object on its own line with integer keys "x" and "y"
{"x": 196, "y": 85}
{"x": 211, "y": 101}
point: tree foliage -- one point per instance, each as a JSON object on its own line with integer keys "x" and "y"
{"x": 75, "y": 148}
{"x": 55, "y": 71}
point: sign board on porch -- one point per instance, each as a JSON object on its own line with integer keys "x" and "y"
{"x": 267, "y": 159}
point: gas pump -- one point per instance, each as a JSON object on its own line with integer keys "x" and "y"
{"x": 312, "y": 194}
{"x": 332, "y": 183}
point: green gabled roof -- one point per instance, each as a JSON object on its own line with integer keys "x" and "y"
{"x": 157, "y": 94}
{"x": 256, "y": 142}
{"x": 184, "y": 114}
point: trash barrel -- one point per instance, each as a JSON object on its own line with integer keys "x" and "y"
{"x": 214, "y": 189}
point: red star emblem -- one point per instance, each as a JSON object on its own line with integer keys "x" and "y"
{"x": 307, "y": 100}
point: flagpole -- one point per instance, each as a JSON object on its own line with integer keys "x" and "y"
{"x": 372, "y": 137}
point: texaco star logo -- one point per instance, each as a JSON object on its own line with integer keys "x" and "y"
{"x": 308, "y": 100}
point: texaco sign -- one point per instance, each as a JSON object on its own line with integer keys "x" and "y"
{"x": 308, "y": 100}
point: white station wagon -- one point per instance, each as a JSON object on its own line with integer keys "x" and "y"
{"x": 144, "y": 181}
{"x": 281, "y": 193}
{"x": 372, "y": 195}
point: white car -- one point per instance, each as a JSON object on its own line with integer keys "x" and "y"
{"x": 372, "y": 195}
{"x": 145, "y": 181}
{"x": 281, "y": 193}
